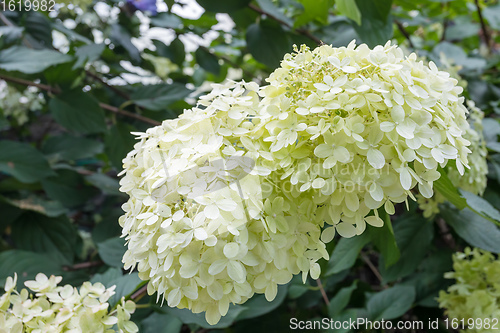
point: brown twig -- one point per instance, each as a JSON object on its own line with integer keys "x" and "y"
{"x": 303, "y": 32}
{"x": 486, "y": 35}
{"x": 404, "y": 33}
{"x": 373, "y": 268}
{"x": 102, "y": 105}
{"x": 83, "y": 265}
{"x": 323, "y": 292}
{"x": 139, "y": 293}
{"x": 113, "y": 88}
{"x": 446, "y": 235}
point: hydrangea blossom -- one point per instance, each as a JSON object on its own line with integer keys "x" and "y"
{"x": 474, "y": 179}
{"x": 55, "y": 308}
{"x": 476, "y": 291}
{"x": 364, "y": 127}
{"x": 231, "y": 198}
{"x": 206, "y": 223}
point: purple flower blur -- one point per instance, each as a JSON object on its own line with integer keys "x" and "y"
{"x": 144, "y": 5}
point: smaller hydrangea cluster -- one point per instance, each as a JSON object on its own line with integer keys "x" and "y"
{"x": 56, "y": 308}
{"x": 474, "y": 178}
{"x": 17, "y": 104}
{"x": 476, "y": 291}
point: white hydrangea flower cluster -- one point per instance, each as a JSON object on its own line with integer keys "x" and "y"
{"x": 206, "y": 224}
{"x": 62, "y": 309}
{"x": 230, "y": 198}
{"x": 371, "y": 125}
{"x": 17, "y": 104}
{"x": 474, "y": 179}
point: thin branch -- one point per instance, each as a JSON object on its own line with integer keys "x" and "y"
{"x": 446, "y": 235}
{"x": 323, "y": 292}
{"x": 139, "y": 293}
{"x": 83, "y": 265}
{"x": 405, "y": 33}
{"x": 486, "y": 35}
{"x": 102, "y": 105}
{"x": 303, "y": 32}
{"x": 226, "y": 59}
{"x": 113, "y": 88}
{"x": 373, "y": 268}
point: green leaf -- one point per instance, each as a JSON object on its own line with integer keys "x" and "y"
{"x": 39, "y": 30}
{"x": 157, "y": 97}
{"x": 104, "y": 182}
{"x": 78, "y": 112}
{"x": 413, "y": 236}
{"x": 23, "y": 162}
{"x": 316, "y": 10}
{"x": 269, "y": 6}
{"x": 207, "y": 61}
{"x": 267, "y": 42}
{"x": 480, "y": 205}
{"x": 112, "y": 250}
{"x": 492, "y": 15}
{"x": 29, "y": 61}
{"x": 188, "y": 317}
{"x": 167, "y": 20}
{"x": 41, "y": 234}
{"x": 258, "y": 305}
{"x": 340, "y": 300}
{"x": 27, "y": 265}
{"x": 384, "y": 240}
{"x": 345, "y": 253}
{"x": 120, "y": 36}
{"x": 349, "y": 9}
{"x": 390, "y": 303}
{"x": 69, "y": 147}
{"x": 175, "y": 51}
{"x": 473, "y": 228}
{"x": 376, "y": 23}
{"x": 11, "y": 34}
{"x": 161, "y": 323}
{"x": 38, "y": 205}
{"x": 87, "y": 54}
{"x": 118, "y": 142}
{"x": 68, "y": 187}
{"x": 444, "y": 186}
{"x": 223, "y": 6}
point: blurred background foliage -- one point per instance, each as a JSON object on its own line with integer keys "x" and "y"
{"x": 75, "y": 81}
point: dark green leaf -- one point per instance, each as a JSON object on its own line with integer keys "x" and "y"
{"x": 69, "y": 147}
{"x": 175, "y": 51}
{"x": 29, "y": 61}
{"x": 390, "y": 303}
{"x": 384, "y": 240}
{"x": 223, "y": 6}
{"x": 118, "y": 142}
{"x": 120, "y": 36}
{"x": 340, "y": 300}
{"x": 258, "y": 305}
{"x": 413, "y": 236}
{"x": 376, "y": 23}
{"x": 345, "y": 253}
{"x": 207, "y": 61}
{"x": 35, "y": 204}
{"x": 27, "y": 265}
{"x": 112, "y": 251}
{"x": 161, "y": 323}
{"x": 444, "y": 186}
{"x": 23, "y": 162}
{"x": 87, "y": 54}
{"x": 38, "y": 26}
{"x": 268, "y": 6}
{"x": 11, "y": 34}
{"x": 104, "y": 182}
{"x": 78, "y": 112}
{"x": 476, "y": 230}
{"x": 158, "y": 97}
{"x": 481, "y": 206}
{"x": 167, "y": 20}
{"x": 267, "y": 42}
{"x": 492, "y": 15}
{"x": 68, "y": 187}
{"x": 41, "y": 234}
